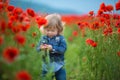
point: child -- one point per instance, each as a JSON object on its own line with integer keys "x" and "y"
{"x": 56, "y": 44}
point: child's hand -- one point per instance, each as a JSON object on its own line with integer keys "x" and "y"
{"x": 43, "y": 47}
{"x": 49, "y": 47}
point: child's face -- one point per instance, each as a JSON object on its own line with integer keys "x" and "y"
{"x": 51, "y": 32}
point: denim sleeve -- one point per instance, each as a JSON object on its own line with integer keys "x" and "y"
{"x": 61, "y": 48}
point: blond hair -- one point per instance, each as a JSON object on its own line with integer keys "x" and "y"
{"x": 54, "y": 21}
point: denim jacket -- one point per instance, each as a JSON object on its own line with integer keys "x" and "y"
{"x": 57, "y": 53}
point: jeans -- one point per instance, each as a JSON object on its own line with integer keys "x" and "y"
{"x": 59, "y": 75}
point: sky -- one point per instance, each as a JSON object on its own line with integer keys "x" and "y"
{"x": 83, "y": 6}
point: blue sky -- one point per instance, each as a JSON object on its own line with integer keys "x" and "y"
{"x": 83, "y": 6}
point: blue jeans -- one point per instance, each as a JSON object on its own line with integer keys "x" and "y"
{"x": 59, "y": 75}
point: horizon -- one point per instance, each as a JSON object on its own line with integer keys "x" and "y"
{"x": 73, "y": 5}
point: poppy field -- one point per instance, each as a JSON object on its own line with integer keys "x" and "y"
{"x": 93, "y": 43}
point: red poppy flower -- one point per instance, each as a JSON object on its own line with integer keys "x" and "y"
{"x": 23, "y": 75}
{"x": 20, "y": 39}
{"x": 109, "y": 8}
{"x": 107, "y": 22}
{"x": 41, "y": 21}
{"x": 17, "y": 11}
{"x": 117, "y": 24}
{"x": 10, "y": 24}
{"x": 91, "y": 13}
{"x": 20, "y": 18}
{"x": 118, "y": 30}
{"x": 107, "y": 31}
{"x": 91, "y": 42}
{"x": 94, "y": 44}
{"x": 1, "y": 5}
{"x": 10, "y": 8}
{"x": 75, "y": 33}
{"x": 118, "y": 53}
{"x": 10, "y": 54}
{"x": 82, "y": 25}
{"x": 100, "y": 12}
{"x": 103, "y": 7}
{"x": 25, "y": 27}
{"x": 2, "y": 26}
{"x": 117, "y": 5}
{"x": 102, "y": 19}
{"x": 79, "y": 23}
{"x": 107, "y": 16}
{"x": 116, "y": 16}
{"x": 12, "y": 18}
{"x": 95, "y": 26}
{"x": 16, "y": 29}
{"x": 31, "y": 12}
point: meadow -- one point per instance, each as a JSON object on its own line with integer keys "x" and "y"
{"x": 93, "y": 43}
